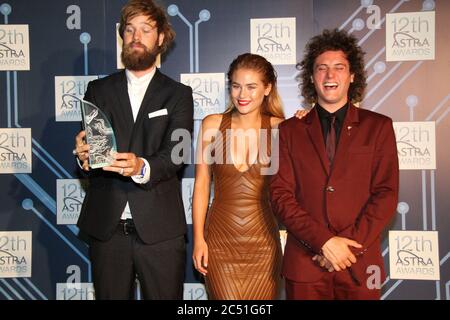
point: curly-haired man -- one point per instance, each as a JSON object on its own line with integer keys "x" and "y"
{"x": 337, "y": 184}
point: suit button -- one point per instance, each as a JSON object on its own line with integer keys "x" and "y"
{"x": 330, "y": 189}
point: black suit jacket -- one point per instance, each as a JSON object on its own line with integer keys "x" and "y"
{"x": 156, "y": 206}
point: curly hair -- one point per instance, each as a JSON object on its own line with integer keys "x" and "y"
{"x": 272, "y": 104}
{"x": 333, "y": 40}
{"x": 156, "y": 13}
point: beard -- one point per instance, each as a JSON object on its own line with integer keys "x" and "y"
{"x": 138, "y": 60}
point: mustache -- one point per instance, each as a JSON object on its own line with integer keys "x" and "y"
{"x": 136, "y": 44}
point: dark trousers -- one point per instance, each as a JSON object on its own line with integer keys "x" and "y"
{"x": 332, "y": 286}
{"x": 159, "y": 267}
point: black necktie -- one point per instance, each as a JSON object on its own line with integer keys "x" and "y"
{"x": 331, "y": 138}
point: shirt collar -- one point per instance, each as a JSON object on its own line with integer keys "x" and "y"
{"x": 340, "y": 113}
{"x": 146, "y": 78}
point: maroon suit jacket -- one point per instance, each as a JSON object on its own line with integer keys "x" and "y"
{"x": 355, "y": 199}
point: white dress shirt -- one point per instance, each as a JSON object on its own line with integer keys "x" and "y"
{"x": 136, "y": 91}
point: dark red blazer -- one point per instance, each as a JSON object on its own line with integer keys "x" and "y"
{"x": 356, "y": 198}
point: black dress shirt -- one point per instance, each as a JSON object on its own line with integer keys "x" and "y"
{"x": 325, "y": 117}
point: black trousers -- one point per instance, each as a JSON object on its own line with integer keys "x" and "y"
{"x": 160, "y": 267}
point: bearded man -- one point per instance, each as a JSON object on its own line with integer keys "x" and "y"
{"x": 132, "y": 212}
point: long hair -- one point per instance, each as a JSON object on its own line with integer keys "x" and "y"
{"x": 333, "y": 40}
{"x": 156, "y": 13}
{"x": 271, "y": 105}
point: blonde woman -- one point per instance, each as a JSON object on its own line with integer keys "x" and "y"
{"x": 236, "y": 241}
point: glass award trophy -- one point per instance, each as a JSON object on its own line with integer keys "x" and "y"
{"x": 99, "y": 135}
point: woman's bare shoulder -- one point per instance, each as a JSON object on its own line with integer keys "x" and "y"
{"x": 275, "y": 121}
{"x": 212, "y": 121}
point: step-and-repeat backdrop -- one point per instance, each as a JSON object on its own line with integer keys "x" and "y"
{"x": 50, "y": 50}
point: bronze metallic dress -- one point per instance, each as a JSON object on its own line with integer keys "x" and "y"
{"x": 241, "y": 231}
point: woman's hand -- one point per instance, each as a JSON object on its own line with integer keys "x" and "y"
{"x": 200, "y": 256}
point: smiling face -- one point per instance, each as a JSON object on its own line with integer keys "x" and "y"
{"x": 140, "y": 43}
{"x": 332, "y": 78}
{"x": 248, "y": 90}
